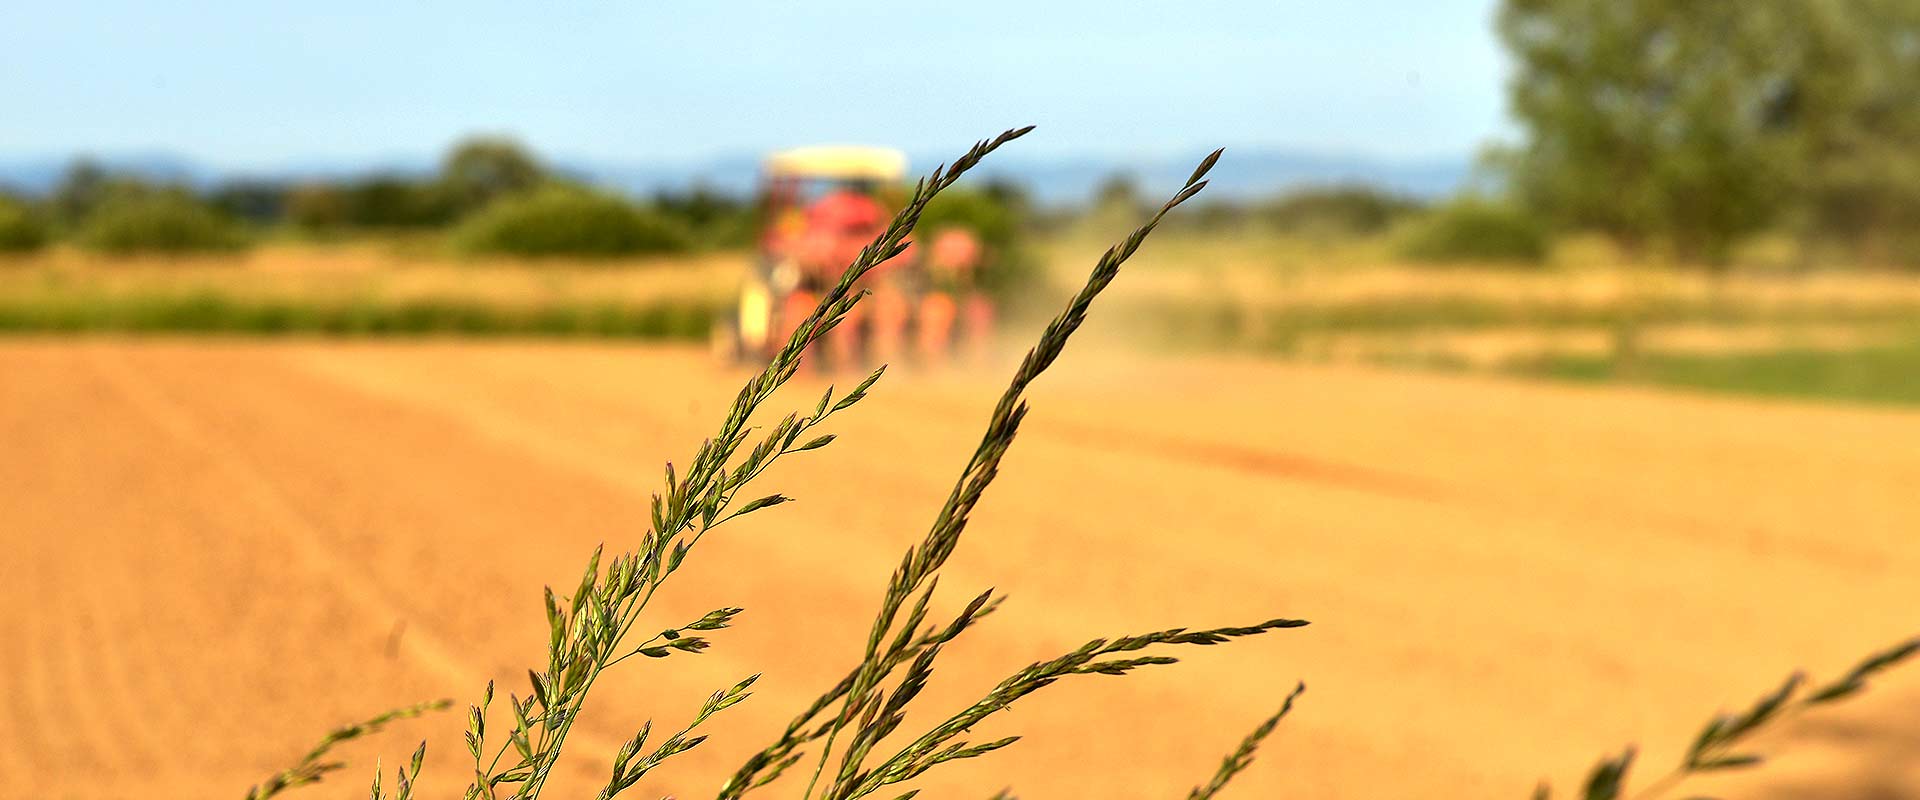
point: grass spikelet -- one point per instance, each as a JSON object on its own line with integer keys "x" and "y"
{"x": 1720, "y": 745}
{"x": 313, "y": 766}
{"x": 587, "y": 631}
{"x": 1242, "y": 756}
{"x": 867, "y": 712}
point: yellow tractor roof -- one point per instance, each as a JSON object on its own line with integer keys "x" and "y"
{"x": 838, "y": 162}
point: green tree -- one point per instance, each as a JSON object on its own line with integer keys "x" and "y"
{"x": 714, "y": 218}
{"x": 561, "y": 220}
{"x": 253, "y": 200}
{"x": 1853, "y": 97}
{"x": 1470, "y": 228}
{"x": 395, "y": 201}
{"x": 1692, "y": 123}
{"x": 21, "y": 228}
{"x": 317, "y": 206}
{"x": 169, "y": 221}
{"x": 1650, "y": 120}
{"x": 1335, "y": 210}
{"x": 483, "y": 169}
{"x": 84, "y": 187}
{"x": 1119, "y": 192}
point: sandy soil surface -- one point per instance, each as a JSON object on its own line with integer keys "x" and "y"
{"x": 213, "y": 552}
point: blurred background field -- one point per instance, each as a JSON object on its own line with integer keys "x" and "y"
{"x": 1695, "y": 197}
{"x": 364, "y": 289}
{"x": 1583, "y": 312}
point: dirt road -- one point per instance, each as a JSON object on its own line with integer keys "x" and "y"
{"x": 214, "y": 552}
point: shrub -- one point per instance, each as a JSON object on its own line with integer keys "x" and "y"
{"x": 317, "y": 206}
{"x": 568, "y": 221}
{"x": 159, "y": 222}
{"x": 1475, "y": 229}
{"x": 1336, "y": 211}
{"x": 380, "y": 202}
{"x": 483, "y": 169}
{"x": 713, "y": 218}
{"x": 81, "y": 189}
{"x": 1219, "y": 217}
{"x": 22, "y": 230}
{"x": 261, "y": 202}
{"x": 395, "y": 201}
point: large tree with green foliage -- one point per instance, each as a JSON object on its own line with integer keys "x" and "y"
{"x": 1854, "y": 100}
{"x": 482, "y": 169}
{"x": 1692, "y": 123}
{"x": 1649, "y": 120}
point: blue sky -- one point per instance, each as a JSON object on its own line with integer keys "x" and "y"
{"x": 260, "y": 84}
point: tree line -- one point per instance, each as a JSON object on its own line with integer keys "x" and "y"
{"x": 491, "y": 194}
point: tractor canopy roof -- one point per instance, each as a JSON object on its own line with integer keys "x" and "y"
{"x": 838, "y": 162}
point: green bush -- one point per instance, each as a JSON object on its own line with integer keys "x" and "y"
{"x": 1335, "y": 211}
{"x": 568, "y": 221}
{"x": 484, "y": 169}
{"x": 261, "y": 202}
{"x": 1475, "y": 229}
{"x": 159, "y": 222}
{"x": 21, "y": 229}
{"x": 390, "y": 201}
{"x": 714, "y": 219}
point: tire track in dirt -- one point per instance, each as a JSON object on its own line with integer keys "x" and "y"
{"x": 1240, "y": 458}
{"x": 30, "y": 744}
{"x": 488, "y": 399}
{"x": 17, "y": 758}
{"x": 296, "y": 531}
{"x": 489, "y": 423}
{"x": 84, "y": 655}
{"x": 1264, "y": 461}
{"x": 75, "y": 734}
{"x": 1271, "y": 462}
{"x": 145, "y": 724}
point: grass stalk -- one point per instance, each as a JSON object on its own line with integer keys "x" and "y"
{"x": 867, "y": 712}
{"x": 588, "y": 628}
{"x": 1237, "y": 761}
{"x": 1720, "y": 745}
{"x": 314, "y": 766}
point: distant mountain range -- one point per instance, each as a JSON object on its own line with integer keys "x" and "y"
{"x": 1243, "y": 173}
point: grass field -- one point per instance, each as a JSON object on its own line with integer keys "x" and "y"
{"x": 227, "y": 547}
{"x": 1837, "y": 335}
{"x": 1884, "y": 373}
{"x": 364, "y": 289}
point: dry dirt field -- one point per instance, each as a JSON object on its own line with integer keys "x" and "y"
{"x": 212, "y": 552}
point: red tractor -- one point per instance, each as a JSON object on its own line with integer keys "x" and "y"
{"x": 821, "y": 206}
